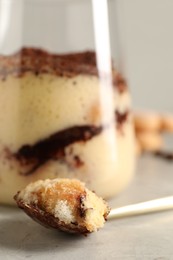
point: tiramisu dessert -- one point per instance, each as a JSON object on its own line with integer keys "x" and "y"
{"x": 63, "y": 204}
{"x": 58, "y": 119}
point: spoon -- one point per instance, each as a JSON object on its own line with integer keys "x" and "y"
{"x": 67, "y": 205}
{"x": 146, "y": 207}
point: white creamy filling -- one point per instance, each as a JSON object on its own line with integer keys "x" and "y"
{"x": 33, "y": 108}
{"x": 104, "y": 171}
{"x": 63, "y": 212}
{"x": 36, "y": 107}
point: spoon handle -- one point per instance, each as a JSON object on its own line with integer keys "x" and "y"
{"x": 151, "y": 206}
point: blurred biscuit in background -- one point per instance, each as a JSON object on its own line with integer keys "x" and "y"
{"x": 147, "y": 121}
{"x": 150, "y": 141}
{"x": 167, "y": 123}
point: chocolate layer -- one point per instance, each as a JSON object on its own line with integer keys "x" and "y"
{"x": 53, "y": 147}
{"x": 121, "y": 118}
{"x": 39, "y": 61}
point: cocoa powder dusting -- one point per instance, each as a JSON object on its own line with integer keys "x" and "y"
{"x": 38, "y": 61}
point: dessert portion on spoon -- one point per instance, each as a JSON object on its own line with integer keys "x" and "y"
{"x": 64, "y": 204}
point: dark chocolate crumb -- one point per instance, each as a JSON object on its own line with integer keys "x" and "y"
{"x": 164, "y": 155}
{"x": 78, "y": 161}
{"x": 82, "y": 209}
{"x": 121, "y": 118}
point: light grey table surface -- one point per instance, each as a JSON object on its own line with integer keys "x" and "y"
{"x": 142, "y": 237}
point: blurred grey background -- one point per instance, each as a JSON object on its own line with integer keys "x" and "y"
{"x": 143, "y": 29}
{"x": 149, "y": 42}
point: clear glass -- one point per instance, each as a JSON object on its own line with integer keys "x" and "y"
{"x": 65, "y": 107}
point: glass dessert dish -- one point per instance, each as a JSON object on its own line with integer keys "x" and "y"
{"x": 65, "y": 106}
